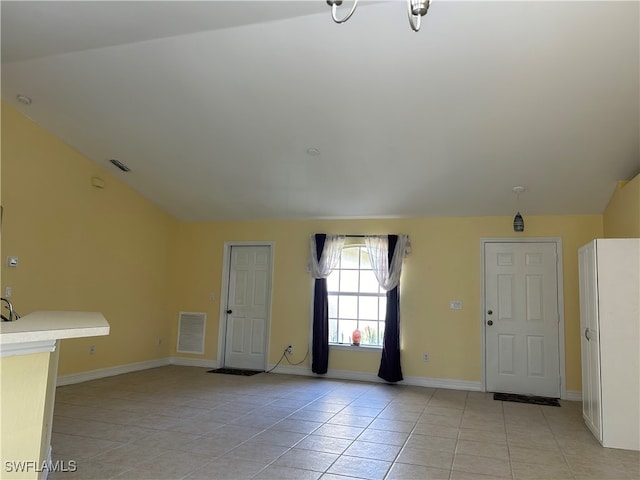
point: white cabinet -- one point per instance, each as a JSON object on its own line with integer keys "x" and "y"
{"x": 610, "y": 332}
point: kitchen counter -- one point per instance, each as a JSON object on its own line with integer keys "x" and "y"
{"x": 38, "y": 331}
{"x": 29, "y": 350}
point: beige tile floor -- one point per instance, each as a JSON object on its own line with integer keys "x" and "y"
{"x": 183, "y": 423}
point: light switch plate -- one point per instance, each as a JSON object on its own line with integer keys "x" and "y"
{"x": 455, "y": 304}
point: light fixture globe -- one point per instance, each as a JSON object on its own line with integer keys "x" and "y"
{"x": 518, "y": 223}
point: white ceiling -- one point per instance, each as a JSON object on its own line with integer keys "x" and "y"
{"x": 214, "y": 104}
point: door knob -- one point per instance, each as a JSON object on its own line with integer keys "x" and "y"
{"x": 490, "y": 322}
{"x": 490, "y": 312}
{"x": 229, "y": 311}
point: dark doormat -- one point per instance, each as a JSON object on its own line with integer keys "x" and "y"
{"x": 512, "y": 397}
{"x": 235, "y": 371}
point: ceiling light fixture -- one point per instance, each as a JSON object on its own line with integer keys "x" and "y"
{"x": 416, "y": 9}
{"x": 518, "y": 221}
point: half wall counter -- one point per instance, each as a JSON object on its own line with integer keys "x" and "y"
{"x": 29, "y": 349}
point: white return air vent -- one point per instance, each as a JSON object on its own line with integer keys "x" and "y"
{"x": 191, "y": 332}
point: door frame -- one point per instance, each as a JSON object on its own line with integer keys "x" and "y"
{"x": 224, "y": 294}
{"x": 560, "y": 287}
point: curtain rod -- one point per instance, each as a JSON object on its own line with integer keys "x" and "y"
{"x": 372, "y": 235}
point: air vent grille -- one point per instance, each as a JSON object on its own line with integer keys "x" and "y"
{"x": 120, "y": 165}
{"x": 191, "y": 332}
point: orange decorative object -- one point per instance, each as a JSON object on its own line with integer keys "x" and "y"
{"x": 355, "y": 337}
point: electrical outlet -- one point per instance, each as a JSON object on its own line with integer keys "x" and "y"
{"x": 92, "y": 349}
{"x": 425, "y": 357}
{"x": 289, "y": 349}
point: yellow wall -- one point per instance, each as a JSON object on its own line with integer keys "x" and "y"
{"x": 622, "y": 215}
{"x": 84, "y": 248}
{"x": 110, "y": 250}
{"x": 444, "y": 265}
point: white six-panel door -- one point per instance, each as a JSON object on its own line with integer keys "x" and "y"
{"x": 521, "y": 319}
{"x": 248, "y": 307}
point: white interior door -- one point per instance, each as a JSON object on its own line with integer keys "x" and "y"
{"x": 521, "y": 318}
{"x": 248, "y": 307}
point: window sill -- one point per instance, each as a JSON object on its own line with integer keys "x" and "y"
{"x": 348, "y": 346}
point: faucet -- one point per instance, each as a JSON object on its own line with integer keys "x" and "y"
{"x": 13, "y": 315}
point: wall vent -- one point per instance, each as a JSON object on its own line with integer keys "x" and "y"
{"x": 191, "y": 332}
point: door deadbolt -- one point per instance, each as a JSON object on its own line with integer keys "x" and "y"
{"x": 490, "y": 312}
{"x": 229, "y": 311}
{"x": 490, "y": 322}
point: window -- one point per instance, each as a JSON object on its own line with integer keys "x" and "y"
{"x": 356, "y": 300}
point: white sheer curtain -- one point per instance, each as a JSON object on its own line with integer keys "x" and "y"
{"x": 378, "y": 248}
{"x": 330, "y": 255}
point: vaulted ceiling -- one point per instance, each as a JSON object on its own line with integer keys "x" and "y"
{"x": 213, "y": 105}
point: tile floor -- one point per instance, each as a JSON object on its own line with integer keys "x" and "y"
{"x": 183, "y": 423}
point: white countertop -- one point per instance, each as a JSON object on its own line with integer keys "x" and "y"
{"x": 53, "y": 325}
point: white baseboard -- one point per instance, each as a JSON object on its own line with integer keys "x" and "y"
{"x": 281, "y": 369}
{"x": 336, "y": 374}
{"x": 373, "y": 378}
{"x": 447, "y": 383}
{"x": 574, "y": 395}
{"x": 133, "y": 367}
{"x": 291, "y": 370}
{"x": 193, "y": 362}
{"x": 110, "y": 371}
{"x": 353, "y": 376}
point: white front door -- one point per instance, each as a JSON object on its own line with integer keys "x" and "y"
{"x": 248, "y": 307}
{"x": 521, "y": 318}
